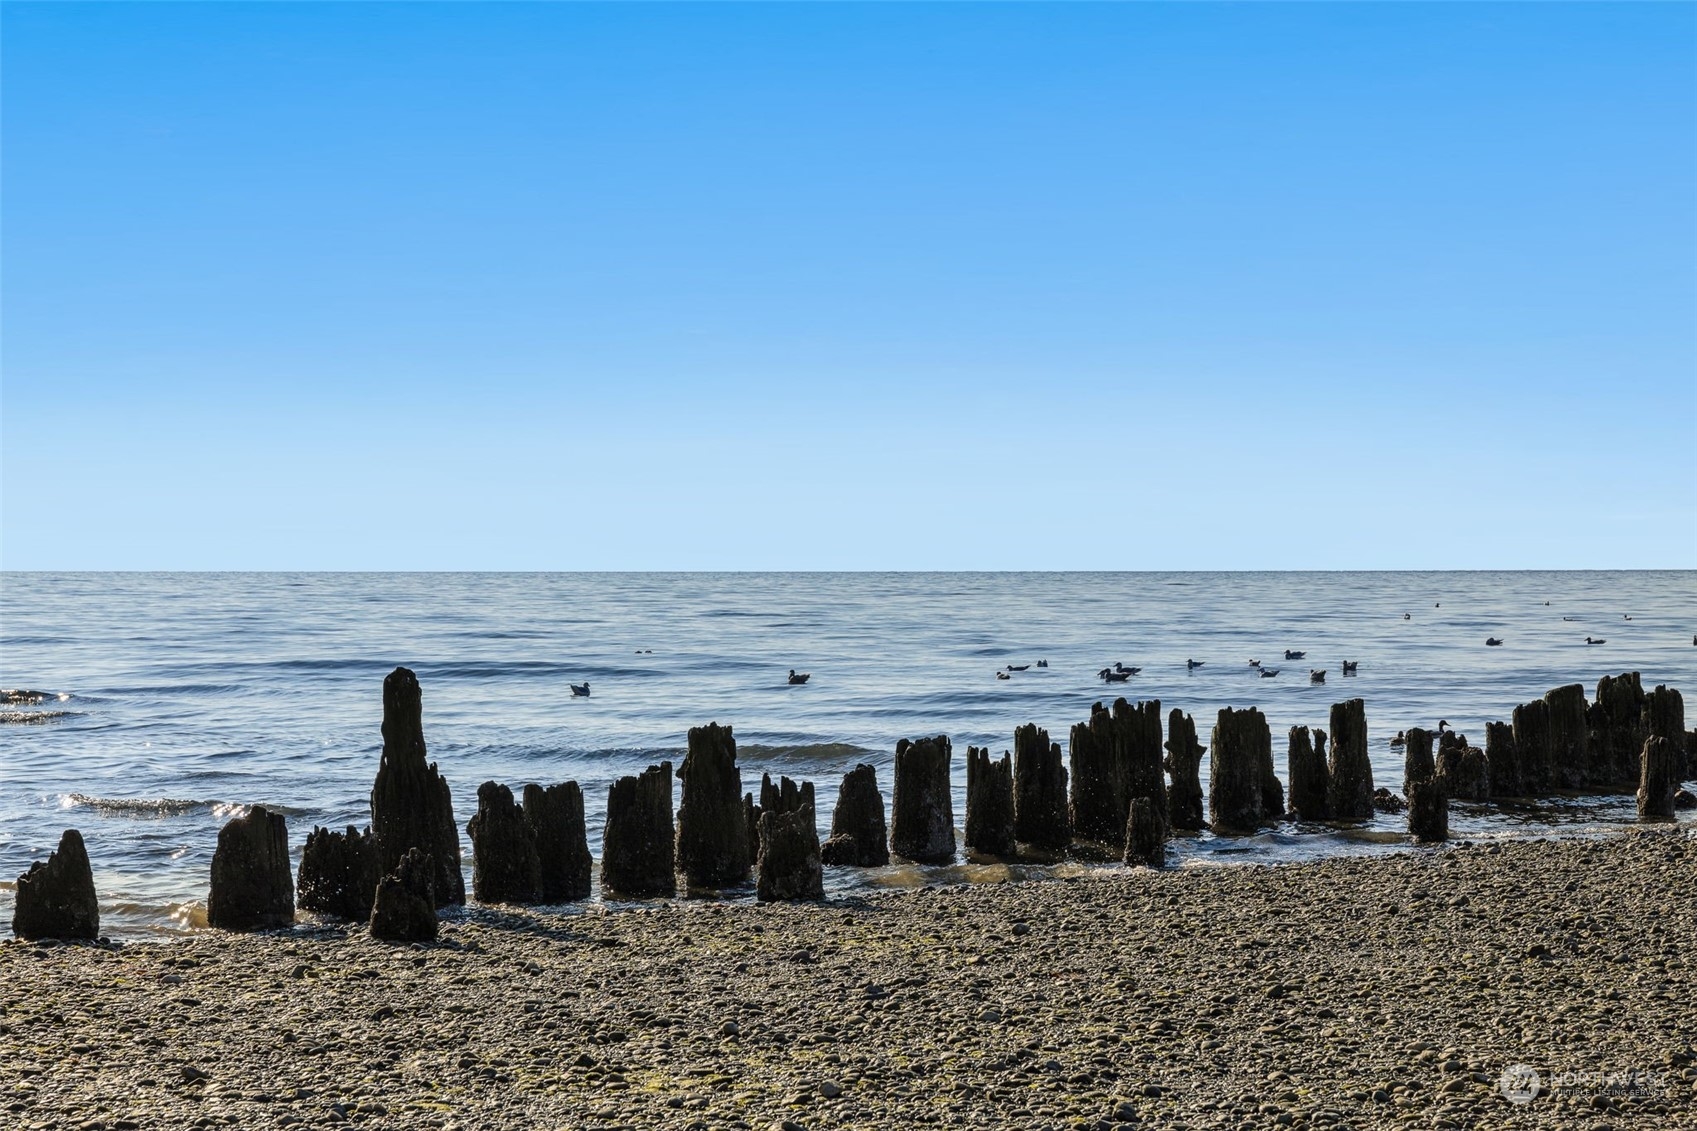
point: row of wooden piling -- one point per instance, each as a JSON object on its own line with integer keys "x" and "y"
{"x": 1126, "y": 788}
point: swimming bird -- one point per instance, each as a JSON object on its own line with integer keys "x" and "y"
{"x": 1254, "y": 663}
{"x": 1042, "y": 663}
{"x": 801, "y": 678}
{"x": 1349, "y": 666}
{"x": 1400, "y": 739}
{"x": 581, "y": 690}
{"x": 1109, "y": 675}
{"x": 1018, "y": 668}
{"x": 1192, "y": 665}
{"x": 1408, "y": 616}
{"x": 1628, "y": 616}
{"x": 1268, "y": 673}
{"x": 1119, "y": 667}
{"x": 1570, "y": 618}
{"x": 1291, "y": 655}
{"x": 1003, "y": 675}
{"x": 1588, "y": 640}
{"x": 1492, "y": 642}
{"x": 1317, "y": 675}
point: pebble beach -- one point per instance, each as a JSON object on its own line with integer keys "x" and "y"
{"x": 1390, "y": 991}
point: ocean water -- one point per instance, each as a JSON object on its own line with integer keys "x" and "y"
{"x": 176, "y": 700}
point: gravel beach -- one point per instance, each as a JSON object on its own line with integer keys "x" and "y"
{"x": 1348, "y": 992}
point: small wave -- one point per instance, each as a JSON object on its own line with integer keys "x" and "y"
{"x": 814, "y": 751}
{"x": 28, "y": 698}
{"x": 35, "y": 718}
{"x": 133, "y": 806}
{"x": 153, "y": 807}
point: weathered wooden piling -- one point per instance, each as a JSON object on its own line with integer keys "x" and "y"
{"x": 505, "y": 866}
{"x": 637, "y": 850}
{"x": 1466, "y": 773}
{"x": 789, "y": 865}
{"x": 1145, "y": 834}
{"x": 1349, "y": 782}
{"x": 1428, "y": 809}
{"x": 712, "y": 839}
{"x": 338, "y": 873}
{"x": 989, "y": 803}
{"x": 1570, "y": 754}
{"x": 56, "y": 897}
{"x": 1532, "y": 746}
{"x": 1658, "y": 777}
{"x": 859, "y": 837}
{"x": 252, "y": 887}
{"x": 1503, "y": 760}
{"x": 555, "y": 817}
{"x": 1664, "y": 717}
{"x": 404, "y": 908}
{"x": 410, "y": 803}
{"x": 1116, "y": 756}
{"x": 1418, "y": 762}
{"x": 1184, "y": 766}
{"x": 922, "y": 822}
{"x": 1239, "y": 754}
{"x": 1307, "y": 773}
{"x": 1618, "y": 727}
{"x": 1040, "y": 814}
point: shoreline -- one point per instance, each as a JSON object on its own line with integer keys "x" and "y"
{"x": 1343, "y": 992}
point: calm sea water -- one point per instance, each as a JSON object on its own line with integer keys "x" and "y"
{"x": 185, "y": 697}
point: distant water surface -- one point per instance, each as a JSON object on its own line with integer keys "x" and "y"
{"x": 176, "y": 700}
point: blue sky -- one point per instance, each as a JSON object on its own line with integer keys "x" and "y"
{"x": 842, "y": 287}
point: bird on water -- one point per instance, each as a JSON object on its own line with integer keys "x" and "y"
{"x": 1317, "y": 675}
{"x": 581, "y": 690}
{"x": 1588, "y": 640}
{"x": 1492, "y": 642}
{"x": 1268, "y": 673}
{"x": 801, "y": 678}
{"x": 1349, "y": 666}
{"x": 1192, "y": 665}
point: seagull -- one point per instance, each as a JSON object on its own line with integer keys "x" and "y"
{"x": 1192, "y": 665}
{"x": 1317, "y": 675}
{"x": 1268, "y": 673}
{"x": 581, "y": 690}
{"x": 799, "y": 679}
{"x": 1291, "y": 655}
{"x": 1492, "y": 642}
{"x": 1349, "y": 666}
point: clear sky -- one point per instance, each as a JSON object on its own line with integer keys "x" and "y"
{"x": 500, "y": 286}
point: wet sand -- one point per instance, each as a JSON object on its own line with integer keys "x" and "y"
{"x": 1347, "y": 992}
